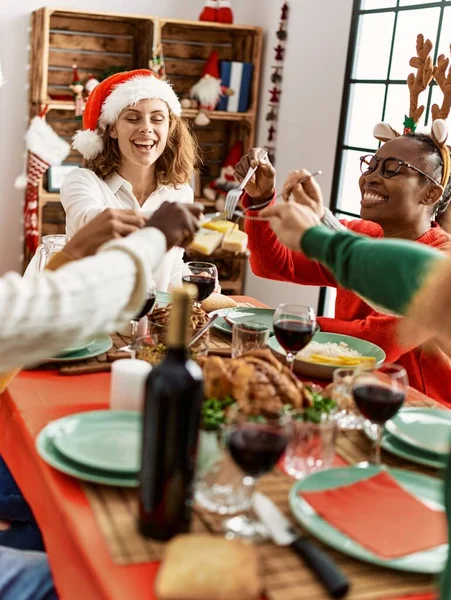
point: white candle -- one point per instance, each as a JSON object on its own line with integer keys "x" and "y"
{"x": 128, "y": 378}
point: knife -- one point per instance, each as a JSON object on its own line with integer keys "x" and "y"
{"x": 282, "y": 533}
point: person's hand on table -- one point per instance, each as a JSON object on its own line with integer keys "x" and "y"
{"x": 290, "y": 221}
{"x": 178, "y": 222}
{"x": 109, "y": 224}
{"x": 308, "y": 193}
{"x": 261, "y": 185}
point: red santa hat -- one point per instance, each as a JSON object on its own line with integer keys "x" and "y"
{"x": 212, "y": 66}
{"x": 107, "y": 100}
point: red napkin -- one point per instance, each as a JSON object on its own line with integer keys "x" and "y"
{"x": 380, "y": 515}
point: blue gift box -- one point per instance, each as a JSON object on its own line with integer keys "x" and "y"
{"x": 238, "y": 77}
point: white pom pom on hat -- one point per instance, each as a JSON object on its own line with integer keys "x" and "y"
{"x": 89, "y": 143}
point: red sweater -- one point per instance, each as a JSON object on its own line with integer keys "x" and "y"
{"x": 428, "y": 371}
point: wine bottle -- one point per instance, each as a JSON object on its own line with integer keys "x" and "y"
{"x": 172, "y": 407}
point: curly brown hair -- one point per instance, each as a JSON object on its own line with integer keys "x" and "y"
{"x": 176, "y": 165}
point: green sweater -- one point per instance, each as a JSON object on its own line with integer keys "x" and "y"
{"x": 388, "y": 272}
{"x": 385, "y": 271}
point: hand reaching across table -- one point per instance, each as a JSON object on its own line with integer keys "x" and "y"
{"x": 290, "y": 221}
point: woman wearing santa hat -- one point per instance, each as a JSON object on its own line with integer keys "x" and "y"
{"x": 138, "y": 152}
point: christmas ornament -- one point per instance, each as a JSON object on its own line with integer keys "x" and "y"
{"x": 208, "y": 90}
{"x": 218, "y": 188}
{"x": 275, "y": 95}
{"x": 276, "y": 78}
{"x": 91, "y": 83}
{"x": 279, "y": 50}
{"x": 271, "y": 133}
{"x": 77, "y": 88}
{"x": 284, "y": 12}
{"x": 217, "y": 11}
{"x": 45, "y": 149}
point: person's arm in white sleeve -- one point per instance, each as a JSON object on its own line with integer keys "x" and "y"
{"x": 82, "y": 199}
{"x": 45, "y": 314}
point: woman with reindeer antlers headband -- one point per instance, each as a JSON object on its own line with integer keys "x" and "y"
{"x": 405, "y": 190}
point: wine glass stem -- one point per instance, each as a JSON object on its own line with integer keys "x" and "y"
{"x": 134, "y": 326}
{"x": 377, "y": 445}
{"x": 249, "y": 484}
{"x": 290, "y": 360}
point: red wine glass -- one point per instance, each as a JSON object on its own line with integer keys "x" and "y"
{"x": 379, "y": 393}
{"x": 294, "y": 326}
{"x": 204, "y": 276}
{"x": 146, "y": 308}
{"x": 255, "y": 445}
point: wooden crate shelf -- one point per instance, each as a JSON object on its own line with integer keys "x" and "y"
{"x": 101, "y": 41}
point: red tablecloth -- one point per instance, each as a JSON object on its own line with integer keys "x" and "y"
{"x": 79, "y": 558}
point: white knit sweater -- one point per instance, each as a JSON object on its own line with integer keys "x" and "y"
{"x": 45, "y": 313}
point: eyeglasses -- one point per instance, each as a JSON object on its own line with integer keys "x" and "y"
{"x": 390, "y": 166}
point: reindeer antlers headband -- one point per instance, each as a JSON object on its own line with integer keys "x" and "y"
{"x": 417, "y": 84}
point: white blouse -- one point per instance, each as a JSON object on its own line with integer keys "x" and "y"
{"x": 84, "y": 196}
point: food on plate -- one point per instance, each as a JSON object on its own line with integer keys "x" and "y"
{"x": 221, "y": 226}
{"x": 206, "y": 243}
{"x": 235, "y": 241}
{"x": 331, "y": 353}
{"x": 160, "y": 317}
{"x": 217, "y": 301}
{"x": 215, "y": 234}
{"x": 206, "y": 567}
{"x": 153, "y": 351}
{"x": 259, "y": 385}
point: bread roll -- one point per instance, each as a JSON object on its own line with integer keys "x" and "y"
{"x": 204, "y": 567}
{"x": 216, "y": 301}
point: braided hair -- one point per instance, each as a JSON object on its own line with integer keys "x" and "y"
{"x": 432, "y": 150}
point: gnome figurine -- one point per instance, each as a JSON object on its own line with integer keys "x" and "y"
{"x": 208, "y": 90}
{"x": 77, "y": 88}
{"x": 218, "y": 188}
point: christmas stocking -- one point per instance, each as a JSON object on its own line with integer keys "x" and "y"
{"x": 225, "y": 14}
{"x": 45, "y": 149}
{"x": 210, "y": 11}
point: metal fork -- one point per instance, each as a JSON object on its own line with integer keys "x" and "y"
{"x": 233, "y": 196}
{"x": 241, "y": 214}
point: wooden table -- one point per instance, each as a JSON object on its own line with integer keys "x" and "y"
{"x": 80, "y": 559}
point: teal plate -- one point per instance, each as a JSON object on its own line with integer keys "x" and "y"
{"x": 398, "y": 448}
{"x": 49, "y": 454}
{"x": 258, "y": 315}
{"x": 318, "y": 371}
{"x": 106, "y": 440}
{"x": 427, "y": 489}
{"x": 100, "y": 345}
{"x": 423, "y": 428}
{"x": 78, "y": 347}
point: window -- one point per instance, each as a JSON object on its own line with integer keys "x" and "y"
{"x": 382, "y": 41}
